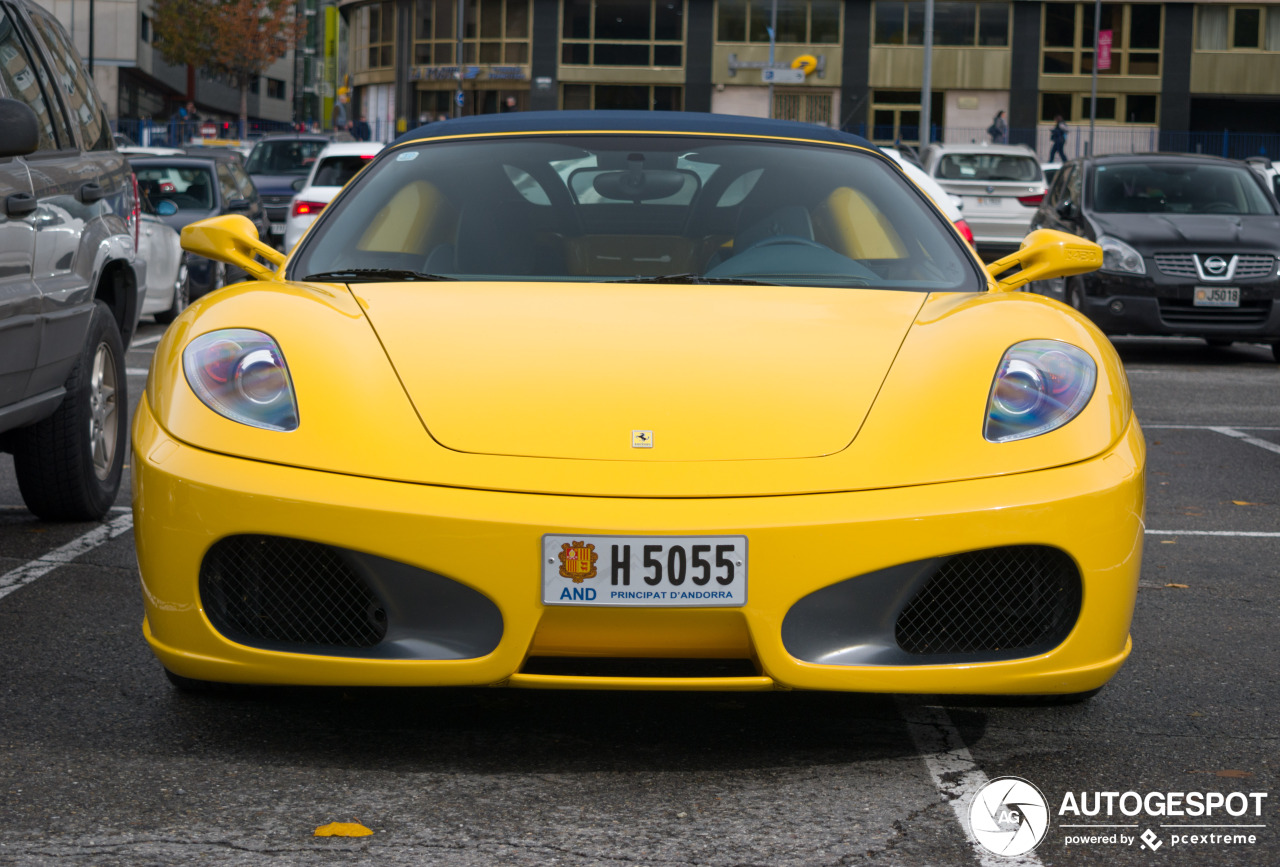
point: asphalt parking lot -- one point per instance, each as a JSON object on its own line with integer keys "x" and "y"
{"x": 103, "y": 763}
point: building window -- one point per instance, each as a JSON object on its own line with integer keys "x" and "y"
{"x": 622, "y": 33}
{"x": 1067, "y": 38}
{"x": 144, "y": 28}
{"x": 811, "y": 22}
{"x": 1247, "y": 28}
{"x": 1137, "y": 108}
{"x": 275, "y": 89}
{"x": 632, "y": 97}
{"x": 493, "y": 32}
{"x": 373, "y": 37}
{"x": 983, "y": 25}
{"x": 804, "y": 106}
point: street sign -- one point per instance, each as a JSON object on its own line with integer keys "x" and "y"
{"x": 1104, "y": 49}
{"x": 459, "y": 98}
{"x": 782, "y": 76}
{"x": 208, "y": 130}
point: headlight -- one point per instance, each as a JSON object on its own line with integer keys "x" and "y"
{"x": 1119, "y": 256}
{"x": 241, "y": 374}
{"x": 1040, "y": 385}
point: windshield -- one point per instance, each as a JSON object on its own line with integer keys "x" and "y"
{"x": 191, "y": 189}
{"x": 626, "y": 206}
{"x": 1179, "y": 188}
{"x": 988, "y": 167}
{"x": 287, "y": 157}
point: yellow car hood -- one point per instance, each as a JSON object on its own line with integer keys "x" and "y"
{"x": 575, "y": 370}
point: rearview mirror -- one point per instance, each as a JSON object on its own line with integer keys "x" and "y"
{"x": 1045, "y": 254}
{"x": 232, "y": 239}
{"x": 639, "y": 185}
{"x": 166, "y": 208}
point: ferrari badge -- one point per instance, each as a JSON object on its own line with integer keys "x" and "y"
{"x": 578, "y": 561}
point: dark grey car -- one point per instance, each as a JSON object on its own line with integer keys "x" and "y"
{"x": 71, "y": 287}
{"x": 201, "y": 187}
{"x": 279, "y": 165}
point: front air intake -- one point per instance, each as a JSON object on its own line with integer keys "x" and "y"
{"x": 274, "y": 591}
{"x": 1024, "y": 598}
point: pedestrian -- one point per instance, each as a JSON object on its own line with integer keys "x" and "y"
{"x": 999, "y": 129}
{"x": 1058, "y": 136}
{"x": 340, "y": 121}
{"x": 510, "y": 104}
{"x": 360, "y": 129}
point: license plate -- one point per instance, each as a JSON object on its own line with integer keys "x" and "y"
{"x": 990, "y": 201}
{"x": 645, "y": 571}
{"x": 277, "y": 228}
{"x": 1217, "y": 296}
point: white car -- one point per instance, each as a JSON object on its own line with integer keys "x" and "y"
{"x": 1001, "y": 186}
{"x": 168, "y": 285}
{"x": 336, "y": 164}
{"x": 952, "y": 206}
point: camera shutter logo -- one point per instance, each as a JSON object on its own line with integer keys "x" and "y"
{"x": 1009, "y": 816}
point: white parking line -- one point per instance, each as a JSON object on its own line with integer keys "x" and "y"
{"x": 1236, "y": 433}
{"x": 136, "y": 371}
{"x": 45, "y": 563}
{"x": 955, "y": 773}
{"x": 155, "y": 338}
{"x": 1212, "y": 533}
{"x": 1209, "y": 427}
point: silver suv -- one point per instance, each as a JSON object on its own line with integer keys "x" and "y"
{"x": 71, "y": 288}
{"x": 1001, "y": 186}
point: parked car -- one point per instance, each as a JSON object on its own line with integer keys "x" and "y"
{"x": 168, "y": 278}
{"x": 952, "y": 206}
{"x": 337, "y": 164}
{"x": 1001, "y": 185}
{"x": 200, "y": 187}
{"x": 279, "y": 164}
{"x": 151, "y": 151}
{"x": 1191, "y": 246}
{"x": 71, "y": 284}
{"x": 1270, "y": 170}
{"x": 406, "y": 453}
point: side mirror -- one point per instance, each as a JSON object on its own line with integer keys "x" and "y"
{"x": 1067, "y": 209}
{"x": 166, "y": 208}
{"x": 239, "y": 205}
{"x": 299, "y": 184}
{"x": 21, "y": 129}
{"x": 1046, "y": 254}
{"x": 233, "y": 239}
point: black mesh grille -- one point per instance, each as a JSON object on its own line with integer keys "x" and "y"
{"x": 1018, "y": 598}
{"x": 1184, "y": 312}
{"x": 271, "y": 590}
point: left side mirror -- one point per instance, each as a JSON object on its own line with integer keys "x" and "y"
{"x": 239, "y": 205}
{"x": 21, "y": 129}
{"x": 233, "y": 239}
{"x": 299, "y": 184}
{"x": 1044, "y": 255}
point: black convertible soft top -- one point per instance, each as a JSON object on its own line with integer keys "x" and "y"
{"x": 638, "y": 121}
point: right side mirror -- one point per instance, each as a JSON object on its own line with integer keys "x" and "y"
{"x": 299, "y": 184}
{"x": 21, "y": 129}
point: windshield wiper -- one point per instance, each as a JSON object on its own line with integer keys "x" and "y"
{"x": 694, "y": 278}
{"x": 374, "y": 275}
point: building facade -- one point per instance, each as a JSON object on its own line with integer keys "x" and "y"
{"x": 1168, "y": 69}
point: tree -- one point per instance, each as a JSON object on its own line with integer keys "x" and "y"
{"x": 234, "y": 39}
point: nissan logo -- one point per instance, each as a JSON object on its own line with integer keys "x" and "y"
{"x": 1215, "y": 265}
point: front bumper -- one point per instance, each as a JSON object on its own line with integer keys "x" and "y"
{"x": 1159, "y": 305}
{"x": 186, "y": 500}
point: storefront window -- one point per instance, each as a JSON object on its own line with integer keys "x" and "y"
{"x": 632, "y": 97}
{"x": 622, "y": 33}
{"x": 1074, "y": 107}
{"x": 799, "y": 21}
{"x": 954, "y": 23}
{"x": 1240, "y": 27}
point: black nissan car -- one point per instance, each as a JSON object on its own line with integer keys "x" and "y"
{"x": 1191, "y": 246}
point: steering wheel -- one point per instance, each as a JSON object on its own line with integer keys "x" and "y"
{"x": 785, "y": 240}
{"x": 1220, "y": 208}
